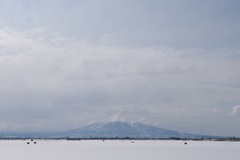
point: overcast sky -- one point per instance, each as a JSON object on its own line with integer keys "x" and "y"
{"x": 169, "y": 63}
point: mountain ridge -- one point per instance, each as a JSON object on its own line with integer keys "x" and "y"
{"x": 119, "y": 129}
{"x": 116, "y": 129}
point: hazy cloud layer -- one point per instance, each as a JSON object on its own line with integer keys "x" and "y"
{"x": 66, "y": 63}
{"x": 48, "y": 81}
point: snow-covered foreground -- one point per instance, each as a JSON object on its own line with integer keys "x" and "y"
{"x": 119, "y": 150}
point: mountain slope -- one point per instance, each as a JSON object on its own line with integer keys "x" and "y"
{"x": 123, "y": 130}
{"x": 107, "y": 130}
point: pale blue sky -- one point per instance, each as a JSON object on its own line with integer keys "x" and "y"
{"x": 174, "y": 64}
{"x": 173, "y": 23}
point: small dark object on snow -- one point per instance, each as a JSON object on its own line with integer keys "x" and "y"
{"x": 28, "y": 143}
{"x": 185, "y": 143}
{"x": 35, "y": 142}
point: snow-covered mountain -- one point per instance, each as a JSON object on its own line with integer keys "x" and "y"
{"x": 115, "y": 129}
{"x": 123, "y": 130}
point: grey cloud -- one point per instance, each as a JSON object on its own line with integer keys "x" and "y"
{"x": 65, "y": 86}
{"x": 235, "y": 110}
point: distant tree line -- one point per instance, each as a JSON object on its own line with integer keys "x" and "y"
{"x": 126, "y": 138}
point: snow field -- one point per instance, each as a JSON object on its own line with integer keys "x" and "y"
{"x": 119, "y": 150}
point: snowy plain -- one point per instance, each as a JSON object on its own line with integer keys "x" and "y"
{"x": 118, "y": 150}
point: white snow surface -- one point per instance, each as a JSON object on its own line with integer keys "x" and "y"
{"x": 118, "y": 150}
